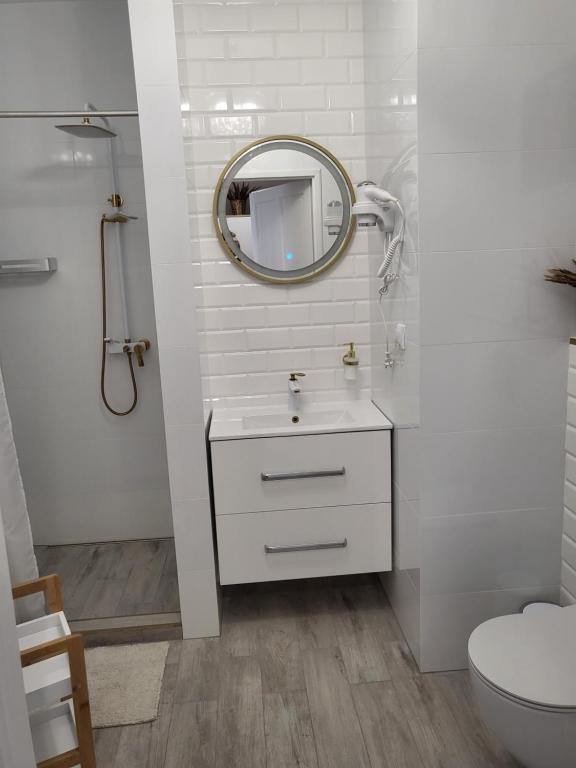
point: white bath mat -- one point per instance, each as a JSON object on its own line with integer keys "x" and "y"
{"x": 125, "y": 683}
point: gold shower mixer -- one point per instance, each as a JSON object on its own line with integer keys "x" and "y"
{"x": 139, "y": 348}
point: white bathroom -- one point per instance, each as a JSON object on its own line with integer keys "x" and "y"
{"x": 287, "y": 383}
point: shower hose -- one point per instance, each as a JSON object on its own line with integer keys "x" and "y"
{"x": 105, "y": 334}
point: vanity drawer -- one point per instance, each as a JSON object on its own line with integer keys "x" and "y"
{"x": 303, "y": 543}
{"x": 328, "y": 470}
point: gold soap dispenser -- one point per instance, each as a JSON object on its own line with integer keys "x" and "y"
{"x": 351, "y": 362}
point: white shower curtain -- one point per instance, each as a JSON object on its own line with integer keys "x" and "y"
{"x": 21, "y": 558}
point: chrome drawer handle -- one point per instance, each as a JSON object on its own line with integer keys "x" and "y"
{"x": 267, "y": 476}
{"x": 273, "y": 549}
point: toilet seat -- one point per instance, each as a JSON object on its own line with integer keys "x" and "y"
{"x": 529, "y": 657}
{"x": 516, "y": 699}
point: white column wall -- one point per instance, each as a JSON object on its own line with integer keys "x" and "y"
{"x": 390, "y": 46}
{"x": 154, "y": 46}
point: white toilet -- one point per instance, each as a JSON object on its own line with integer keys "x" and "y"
{"x": 523, "y": 670}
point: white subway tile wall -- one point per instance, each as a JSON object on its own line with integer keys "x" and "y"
{"x": 569, "y": 535}
{"x": 249, "y": 70}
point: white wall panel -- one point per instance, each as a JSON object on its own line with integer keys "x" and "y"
{"x": 519, "y": 199}
{"x": 464, "y": 23}
{"x": 449, "y": 619}
{"x": 470, "y": 296}
{"x": 530, "y": 88}
{"x": 497, "y": 196}
{"x": 490, "y": 551}
{"x": 491, "y": 470}
{"x": 494, "y": 385}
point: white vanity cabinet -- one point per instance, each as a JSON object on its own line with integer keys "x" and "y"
{"x": 296, "y": 505}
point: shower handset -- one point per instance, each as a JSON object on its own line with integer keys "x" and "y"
{"x": 377, "y": 207}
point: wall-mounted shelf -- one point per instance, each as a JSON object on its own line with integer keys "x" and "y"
{"x": 20, "y": 267}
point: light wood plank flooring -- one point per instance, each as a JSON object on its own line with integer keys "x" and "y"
{"x": 125, "y": 578}
{"x": 310, "y": 674}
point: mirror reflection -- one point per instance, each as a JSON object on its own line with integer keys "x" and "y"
{"x": 283, "y": 209}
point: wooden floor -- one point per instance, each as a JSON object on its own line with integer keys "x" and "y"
{"x": 114, "y": 579}
{"x": 306, "y": 675}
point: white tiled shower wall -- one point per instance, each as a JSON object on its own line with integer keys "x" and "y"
{"x": 88, "y": 475}
{"x": 249, "y": 70}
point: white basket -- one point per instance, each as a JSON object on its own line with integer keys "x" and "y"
{"x": 53, "y": 731}
{"x": 46, "y": 682}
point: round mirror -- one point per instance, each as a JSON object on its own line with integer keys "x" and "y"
{"x": 283, "y": 209}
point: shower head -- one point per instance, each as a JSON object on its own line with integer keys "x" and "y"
{"x": 87, "y": 130}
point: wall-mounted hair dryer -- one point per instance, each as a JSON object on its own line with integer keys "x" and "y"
{"x": 377, "y": 207}
{"x": 373, "y": 207}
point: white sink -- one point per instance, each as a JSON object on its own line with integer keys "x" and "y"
{"x": 314, "y": 418}
{"x": 296, "y": 420}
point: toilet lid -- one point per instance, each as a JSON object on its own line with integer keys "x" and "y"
{"x": 530, "y": 656}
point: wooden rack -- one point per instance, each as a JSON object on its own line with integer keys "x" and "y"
{"x": 57, "y": 692}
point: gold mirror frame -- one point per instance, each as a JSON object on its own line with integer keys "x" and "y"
{"x": 323, "y": 266}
